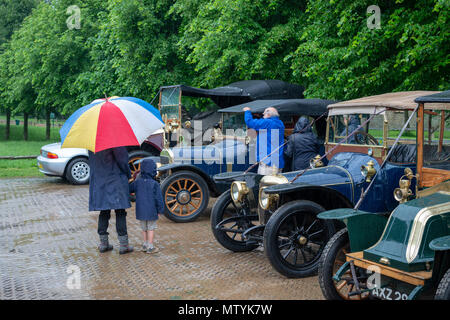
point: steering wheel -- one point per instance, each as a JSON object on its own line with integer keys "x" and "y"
{"x": 362, "y": 137}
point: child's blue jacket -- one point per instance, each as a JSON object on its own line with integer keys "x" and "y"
{"x": 149, "y": 199}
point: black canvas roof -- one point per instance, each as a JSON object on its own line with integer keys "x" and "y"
{"x": 245, "y": 91}
{"x": 307, "y": 107}
{"x": 441, "y": 97}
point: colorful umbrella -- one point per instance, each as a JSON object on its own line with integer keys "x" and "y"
{"x": 111, "y": 122}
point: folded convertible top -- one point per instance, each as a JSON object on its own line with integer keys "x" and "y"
{"x": 244, "y": 91}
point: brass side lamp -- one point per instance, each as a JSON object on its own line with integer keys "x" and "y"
{"x": 368, "y": 170}
{"x": 402, "y": 193}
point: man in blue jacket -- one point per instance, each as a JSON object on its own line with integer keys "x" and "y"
{"x": 270, "y": 131}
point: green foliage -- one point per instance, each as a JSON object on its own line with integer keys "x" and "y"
{"x": 341, "y": 58}
{"x": 132, "y": 47}
{"x": 239, "y": 40}
{"x": 12, "y": 13}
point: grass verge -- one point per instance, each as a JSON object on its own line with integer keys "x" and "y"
{"x": 16, "y": 146}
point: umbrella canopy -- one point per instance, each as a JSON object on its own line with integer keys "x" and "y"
{"x": 109, "y": 123}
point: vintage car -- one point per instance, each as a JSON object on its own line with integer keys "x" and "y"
{"x": 281, "y": 211}
{"x": 193, "y": 154}
{"x": 404, "y": 253}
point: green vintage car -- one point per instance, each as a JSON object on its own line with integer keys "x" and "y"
{"x": 403, "y": 255}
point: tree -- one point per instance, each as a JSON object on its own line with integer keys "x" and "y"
{"x": 341, "y": 58}
{"x": 12, "y": 13}
{"x": 239, "y": 40}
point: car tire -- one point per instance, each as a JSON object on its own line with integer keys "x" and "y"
{"x": 334, "y": 251}
{"x": 443, "y": 290}
{"x": 78, "y": 171}
{"x": 185, "y": 196}
{"x": 217, "y": 216}
{"x": 294, "y": 231}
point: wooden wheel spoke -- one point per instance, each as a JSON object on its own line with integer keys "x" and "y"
{"x": 192, "y": 185}
{"x": 174, "y": 207}
{"x": 196, "y": 191}
{"x": 303, "y": 255}
{"x": 196, "y": 207}
{"x": 171, "y": 201}
{"x": 171, "y": 194}
{"x": 341, "y": 285}
{"x": 289, "y": 251}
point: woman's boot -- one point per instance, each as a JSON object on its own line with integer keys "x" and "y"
{"x": 124, "y": 246}
{"x": 104, "y": 244}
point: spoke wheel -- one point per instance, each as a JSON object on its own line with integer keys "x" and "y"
{"x": 332, "y": 259}
{"x": 294, "y": 238}
{"x": 134, "y": 156}
{"x": 229, "y": 235}
{"x": 186, "y": 196}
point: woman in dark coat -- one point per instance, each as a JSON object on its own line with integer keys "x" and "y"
{"x": 302, "y": 145}
{"x": 149, "y": 202}
{"x": 108, "y": 190}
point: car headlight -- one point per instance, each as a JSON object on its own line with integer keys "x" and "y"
{"x": 267, "y": 200}
{"x": 168, "y": 154}
{"x": 238, "y": 190}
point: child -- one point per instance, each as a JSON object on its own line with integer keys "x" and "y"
{"x": 149, "y": 202}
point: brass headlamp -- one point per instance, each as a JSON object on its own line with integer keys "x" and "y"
{"x": 404, "y": 192}
{"x": 267, "y": 200}
{"x": 168, "y": 153}
{"x": 238, "y": 191}
{"x": 316, "y": 162}
{"x": 368, "y": 170}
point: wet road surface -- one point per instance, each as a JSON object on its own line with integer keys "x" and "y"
{"x": 48, "y": 237}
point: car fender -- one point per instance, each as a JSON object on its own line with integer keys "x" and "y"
{"x": 371, "y": 224}
{"x": 174, "y": 167}
{"x": 440, "y": 244}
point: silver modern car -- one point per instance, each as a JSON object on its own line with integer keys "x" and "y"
{"x": 73, "y": 164}
{"x": 69, "y": 163}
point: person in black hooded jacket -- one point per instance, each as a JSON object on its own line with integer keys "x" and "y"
{"x": 149, "y": 202}
{"x": 302, "y": 145}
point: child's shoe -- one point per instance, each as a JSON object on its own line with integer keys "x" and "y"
{"x": 144, "y": 247}
{"x": 152, "y": 250}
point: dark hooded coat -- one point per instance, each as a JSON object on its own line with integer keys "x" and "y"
{"x": 149, "y": 199}
{"x": 302, "y": 145}
{"x": 353, "y": 124}
{"x": 108, "y": 182}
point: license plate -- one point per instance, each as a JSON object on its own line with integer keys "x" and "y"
{"x": 387, "y": 293}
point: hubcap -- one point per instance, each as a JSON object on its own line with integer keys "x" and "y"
{"x": 183, "y": 197}
{"x": 80, "y": 171}
{"x": 302, "y": 240}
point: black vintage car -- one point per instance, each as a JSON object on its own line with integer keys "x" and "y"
{"x": 188, "y": 184}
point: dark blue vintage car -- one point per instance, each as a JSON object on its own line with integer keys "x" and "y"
{"x": 280, "y": 211}
{"x": 187, "y": 181}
